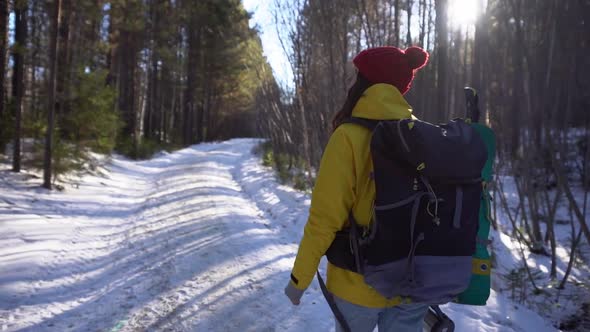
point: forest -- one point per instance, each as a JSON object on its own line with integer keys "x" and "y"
{"x": 139, "y": 76}
{"x": 135, "y": 76}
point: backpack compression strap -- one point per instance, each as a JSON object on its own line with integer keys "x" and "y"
{"x": 367, "y": 123}
{"x": 436, "y": 321}
{"x": 330, "y": 299}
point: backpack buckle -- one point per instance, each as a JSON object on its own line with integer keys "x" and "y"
{"x": 436, "y": 221}
{"x": 435, "y": 218}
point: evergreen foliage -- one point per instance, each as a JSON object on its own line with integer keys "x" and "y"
{"x": 138, "y": 76}
{"x": 94, "y": 122}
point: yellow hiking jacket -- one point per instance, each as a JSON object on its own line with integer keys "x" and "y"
{"x": 343, "y": 184}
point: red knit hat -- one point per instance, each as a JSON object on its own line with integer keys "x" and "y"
{"x": 391, "y": 65}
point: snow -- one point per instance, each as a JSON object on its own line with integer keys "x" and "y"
{"x": 556, "y": 304}
{"x": 202, "y": 239}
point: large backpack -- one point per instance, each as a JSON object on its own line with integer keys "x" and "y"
{"x": 422, "y": 237}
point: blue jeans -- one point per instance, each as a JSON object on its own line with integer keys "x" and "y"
{"x": 402, "y": 318}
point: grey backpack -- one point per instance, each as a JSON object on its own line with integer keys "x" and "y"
{"x": 423, "y": 233}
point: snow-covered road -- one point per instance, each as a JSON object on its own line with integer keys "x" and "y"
{"x": 202, "y": 239}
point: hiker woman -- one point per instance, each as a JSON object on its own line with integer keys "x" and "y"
{"x": 344, "y": 186}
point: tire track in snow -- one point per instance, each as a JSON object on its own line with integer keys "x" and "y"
{"x": 208, "y": 298}
{"x": 184, "y": 243}
{"x": 72, "y": 278}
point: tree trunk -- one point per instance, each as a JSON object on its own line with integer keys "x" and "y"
{"x": 53, "y": 45}
{"x": 125, "y": 38}
{"x": 20, "y": 36}
{"x": 479, "y": 44}
{"x": 189, "y": 105}
{"x": 396, "y": 23}
{"x": 149, "y": 123}
{"x": 422, "y": 16}
{"x": 64, "y": 66}
{"x": 442, "y": 41}
{"x": 409, "y": 16}
{"x": 37, "y": 34}
{"x": 127, "y": 88}
{"x": 3, "y": 50}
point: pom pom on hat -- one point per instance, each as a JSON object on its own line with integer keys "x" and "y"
{"x": 417, "y": 57}
{"x": 390, "y": 65}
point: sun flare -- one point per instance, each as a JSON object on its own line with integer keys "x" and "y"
{"x": 463, "y": 13}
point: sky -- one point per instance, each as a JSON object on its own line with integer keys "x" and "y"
{"x": 263, "y": 17}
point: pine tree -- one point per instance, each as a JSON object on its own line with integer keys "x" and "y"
{"x": 54, "y": 50}
{"x": 3, "y": 50}
{"x": 19, "y": 50}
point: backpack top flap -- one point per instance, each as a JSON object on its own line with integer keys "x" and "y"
{"x": 452, "y": 151}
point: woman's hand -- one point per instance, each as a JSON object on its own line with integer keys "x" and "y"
{"x": 294, "y": 294}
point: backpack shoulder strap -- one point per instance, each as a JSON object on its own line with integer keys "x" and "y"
{"x": 367, "y": 123}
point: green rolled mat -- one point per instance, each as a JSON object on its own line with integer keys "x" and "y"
{"x": 478, "y": 291}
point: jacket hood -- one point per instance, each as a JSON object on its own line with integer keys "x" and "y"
{"x": 382, "y": 102}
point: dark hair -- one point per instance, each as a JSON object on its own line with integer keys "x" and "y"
{"x": 354, "y": 94}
